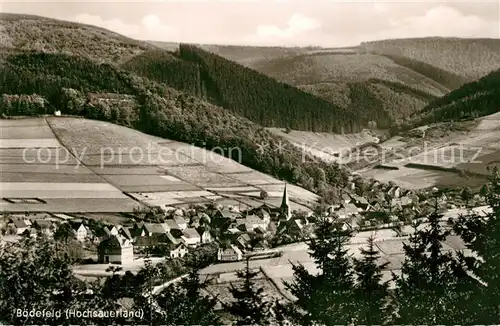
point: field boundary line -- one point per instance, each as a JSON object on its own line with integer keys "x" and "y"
{"x": 82, "y": 164}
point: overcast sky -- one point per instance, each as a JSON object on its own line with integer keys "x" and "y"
{"x": 314, "y": 22}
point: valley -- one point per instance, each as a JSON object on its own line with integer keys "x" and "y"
{"x": 224, "y": 184}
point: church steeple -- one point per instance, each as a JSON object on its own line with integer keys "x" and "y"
{"x": 285, "y": 205}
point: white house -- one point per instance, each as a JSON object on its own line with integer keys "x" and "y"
{"x": 178, "y": 250}
{"x": 231, "y": 253}
{"x": 81, "y": 233}
{"x": 116, "y": 250}
{"x": 115, "y": 230}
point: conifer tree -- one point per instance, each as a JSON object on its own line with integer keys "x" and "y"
{"x": 433, "y": 284}
{"x": 250, "y": 306}
{"x": 480, "y": 234}
{"x": 326, "y": 297}
{"x": 371, "y": 293}
{"x": 179, "y": 304}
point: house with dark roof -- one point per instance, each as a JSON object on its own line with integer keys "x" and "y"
{"x": 44, "y": 226}
{"x": 126, "y": 233}
{"x": 19, "y": 225}
{"x": 292, "y": 227}
{"x": 359, "y": 202}
{"x": 242, "y": 241}
{"x": 151, "y": 229}
{"x": 226, "y": 214}
{"x": 260, "y": 246}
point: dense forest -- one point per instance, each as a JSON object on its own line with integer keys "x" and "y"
{"x": 74, "y": 86}
{"x": 475, "y": 99}
{"x": 244, "y": 91}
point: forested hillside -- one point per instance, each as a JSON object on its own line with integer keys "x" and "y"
{"x": 72, "y": 84}
{"x": 475, "y": 99}
{"x": 247, "y": 92}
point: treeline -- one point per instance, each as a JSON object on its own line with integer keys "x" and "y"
{"x": 476, "y": 99}
{"x": 80, "y": 87}
{"x": 23, "y": 105}
{"x": 266, "y": 101}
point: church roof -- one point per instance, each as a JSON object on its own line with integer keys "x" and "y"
{"x": 285, "y": 202}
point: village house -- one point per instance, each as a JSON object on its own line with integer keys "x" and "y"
{"x": 359, "y": 202}
{"x": 191, "y": 237}
{"x": 346, "y": 211}
{"x": 81, "y": 232}
{"x": 19, "y": 225}
{"x": 115, "y": 230}
{"x": 44, "y": 226}
{"x": 178, "y": 250}
{"x": 256, "y": 222}
{"x": 181, "y": 222}
{"x": 260, "y": 246}
{"x": 226, "y": 214}
{"x": 242, "y": 241}
{"x": 126, "y": 233}
{"x": 230, "y": 253}
{"x": 293, "y": 227}
{"x": 171, "y": 224}
{"x": 394, "y": 191}
{"x": 115, "y": 250}
{"x": 345, "y": 199}
{"x": 205, "y": 235}
{"x": 151, "y": 229}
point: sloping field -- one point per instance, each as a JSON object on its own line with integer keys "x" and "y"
{"x": 38, "y": 174}
{"x": 135, "y": 163}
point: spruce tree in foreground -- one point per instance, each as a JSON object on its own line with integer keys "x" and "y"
{"x": 434, "y": 284}
{"x": 481, "y": 235}
{"x": 250, "y": 306}
{"x": 326, "y": 297}
{"x": 179, "y": 304}
{"x": 371, "y": 293}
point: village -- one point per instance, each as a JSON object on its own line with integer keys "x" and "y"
{"x": 171, "y": 233}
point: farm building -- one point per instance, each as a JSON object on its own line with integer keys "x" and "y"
{"x": 231, "y": 253}
{"x": 116, "y": 250}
